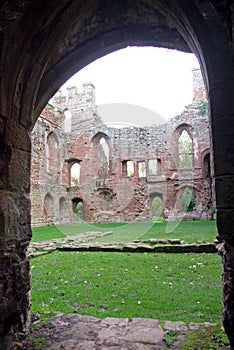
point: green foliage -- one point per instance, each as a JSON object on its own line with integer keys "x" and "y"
{"x": 185, "y": 142}
{"x": 211, "y": 338}
{"x": 202, "y": 108}
{"x": 46, "y": 233}
{"x": 185, "y": 150}
{"x": 170, "y": 337}
{"x": 176, "y": 287}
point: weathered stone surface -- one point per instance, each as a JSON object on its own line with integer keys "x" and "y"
{"x": 75, "y": 332}
{"x": 75, "y": 243}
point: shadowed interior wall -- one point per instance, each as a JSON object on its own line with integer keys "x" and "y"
{"x": 42, "y": 44}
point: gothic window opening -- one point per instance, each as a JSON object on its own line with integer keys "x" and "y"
{"x": 107, "y": 197}
{"x": 67, "y": 120}
{"x": 185, "y": 150}
{"x": 141, "y": 169}
{"x": 48, "y": 205}
{"x": 157, "y": 207}
{"x": 63, "y": 210}
{"x": 128, "y": 168}
{"x": 104, "y": 154}
{"x": 207, "y": 170}
{"x": 78, "y": 209}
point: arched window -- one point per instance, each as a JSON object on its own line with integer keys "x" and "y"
{"x": 206, "y": 165}
{"x": 63, "y": 210}
{"x": 78, "y": 209}
{"x": 48, "y": 205}
{"x": 75, "y": 175}
{"x": 67, "y": 120}
{"x": 102, "y": 152}
{"x": 188, "y": 200}
{"x": 52, "y": 154}
{"x": 185, "y": 150}
{"x": 157, "y": 206}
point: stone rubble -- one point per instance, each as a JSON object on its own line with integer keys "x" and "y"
{"x": 87, "y": 242}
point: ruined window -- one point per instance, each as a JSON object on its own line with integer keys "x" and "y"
{"x": 128, "y": 168}
{"x": 155, "y": 167}
{"x": 207, "y": 173}
{"x": 62, "y": 206}
{"x": 185, "y": 150}
{"x": 141, "y": 169}
{"x": 188, "y": 200}
{"x": 159, "y": 167}
{"x": 157, "y": 207}
{"x": 52, "y": 156}
{"x": 75, "y": 175}
{"x": 104, "y": 154}
{"x": 47, "y": 158}
{"x": 67, "y": 120}
{"x": 48, "y": 205}
{"x": 63, "y": 211}
{"x": 107, "y": 197}
{"x": 78, "y": 209}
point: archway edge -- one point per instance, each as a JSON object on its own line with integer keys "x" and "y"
{"x": 195, "y": 31}
{"x": 92, "y": 50}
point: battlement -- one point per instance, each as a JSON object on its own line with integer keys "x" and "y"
{"x": 71, "y": 99}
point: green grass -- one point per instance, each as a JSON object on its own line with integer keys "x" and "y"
{"x": 187, "y": 231}
{"x": 181, "y": 287}
{"x": 211, "y": 338}
{"x": 46, "y": 233}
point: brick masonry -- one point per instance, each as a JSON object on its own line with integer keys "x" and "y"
{"x": 106, "y": 188}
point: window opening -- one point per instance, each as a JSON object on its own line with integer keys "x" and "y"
{"x": 207, "y": 171}
{"x": 141, "y": 169}
{"x": 128, "y": 168}
{"x": 67, "y": 120}
{"x": 104, "y": 154}
{"x": 78, "y": 209}
{"x": 157, "y": 207}
{"x": 75, "y": 174}
{"x": 52, "y": 158}
{"x": 48, "y": 205}
{"x": 185, "y": 150}
{"x": 107, "y": 201}
{"x": 155, "y": 167}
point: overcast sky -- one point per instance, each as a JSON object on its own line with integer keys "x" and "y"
{"x": 153, "y": 78}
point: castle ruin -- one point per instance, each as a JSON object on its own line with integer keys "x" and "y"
{"x": 85, "y": 170}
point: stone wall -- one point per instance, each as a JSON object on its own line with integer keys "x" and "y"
{"x": 107, "y": 188}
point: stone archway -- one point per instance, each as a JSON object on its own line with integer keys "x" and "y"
{"x": 78, "y": 209}
{"x": 61, "y": 38}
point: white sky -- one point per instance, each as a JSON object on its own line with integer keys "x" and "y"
{"x": 153, "y": 78}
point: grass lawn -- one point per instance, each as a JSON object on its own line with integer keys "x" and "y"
{"x": 180, "y": 287}
{"x": 187, "y": 231}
